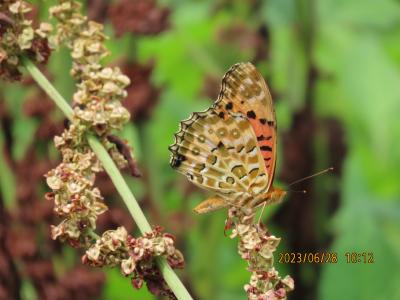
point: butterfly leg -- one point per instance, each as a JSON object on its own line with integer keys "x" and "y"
{"x": 274, "y": 196}
{"x": 211, "y": 204}
{"x": 228, "y": 225}
{"x": 262, "y": 211}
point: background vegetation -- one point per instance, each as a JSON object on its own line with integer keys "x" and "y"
{"x": 334, "y": 71}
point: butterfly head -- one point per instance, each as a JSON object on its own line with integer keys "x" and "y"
{"x": 275, "y": 195}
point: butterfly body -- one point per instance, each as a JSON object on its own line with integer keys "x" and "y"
{"x": 230, "y": 149}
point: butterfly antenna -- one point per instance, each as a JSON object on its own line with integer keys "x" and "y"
{"x": 301, "y": 191}
{"x": 311, "y": 176}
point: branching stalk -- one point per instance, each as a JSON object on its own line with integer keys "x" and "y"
{"x": 108, "y": 164}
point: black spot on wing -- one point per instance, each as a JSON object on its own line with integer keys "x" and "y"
{"x": 266, "y": 148}
{"x": 177, "y": 160}
{"x": 229, "y": 106}
{"x": 221, "y": 114}
{"x": 251, "y": 114}
{"x": 263, "y": 138}
{"x": 265, "y": 121}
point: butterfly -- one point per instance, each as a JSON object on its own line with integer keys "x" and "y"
{"x": 230, "y": 148}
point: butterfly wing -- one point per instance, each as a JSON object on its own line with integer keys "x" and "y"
{"x": 244, "y": 91}
{"x": 221, "y": 155}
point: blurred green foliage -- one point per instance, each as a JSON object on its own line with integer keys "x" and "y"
{"x": 353, "y": 45}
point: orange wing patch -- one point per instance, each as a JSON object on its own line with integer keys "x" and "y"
{"x": 244, "y": 91}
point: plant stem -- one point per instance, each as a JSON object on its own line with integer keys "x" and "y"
{"x": 108, "y": 164}
{"x": 120, "y": 184}
{"x": 92, "y": 234}
{"x": 48, "y": 88}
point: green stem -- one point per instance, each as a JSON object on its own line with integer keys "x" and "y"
{"x": 120, "y": 184}
{"x": 108, "y": 164}
{"x": 48, "y": 88}
{"x": 92, "y": 234}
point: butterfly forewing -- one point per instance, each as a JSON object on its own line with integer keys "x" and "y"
{"x": 244, "y": 91}
{"x": 220, "y": 153}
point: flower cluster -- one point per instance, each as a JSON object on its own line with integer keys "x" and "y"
{"x": 136, "y": 256}
{"x": 17, "y": 37}
{"x": 96, "y": 107}
{"x": 74, "y": 195}
{"x": 97, "y": 102}
{"x": 257, "y": 246}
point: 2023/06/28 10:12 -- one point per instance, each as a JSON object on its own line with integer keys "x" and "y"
{"x": 325, "y": 257}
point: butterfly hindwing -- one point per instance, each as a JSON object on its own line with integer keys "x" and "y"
{"x": 244, "y": 91}
{"x": 220, "y": 153}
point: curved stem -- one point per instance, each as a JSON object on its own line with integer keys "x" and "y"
{"x": 137, "y": 214}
